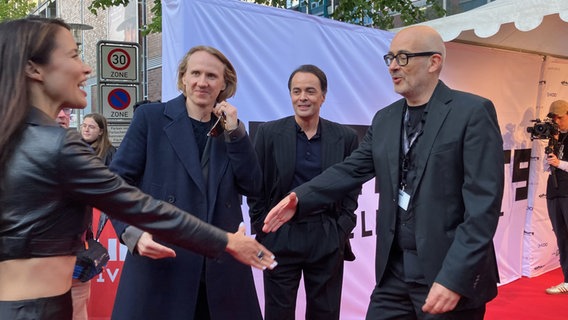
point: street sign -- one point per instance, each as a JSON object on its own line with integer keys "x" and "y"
{"x": 117, "y": 101}
{"x": 118, "y": 85}
{"x": 118, "y": 61}
{"x": 117, "y": 131}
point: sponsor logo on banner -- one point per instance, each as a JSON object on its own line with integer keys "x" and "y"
{"x": 538, "y": 267}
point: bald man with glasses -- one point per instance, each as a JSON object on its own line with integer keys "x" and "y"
{"x": 437, "y": 156}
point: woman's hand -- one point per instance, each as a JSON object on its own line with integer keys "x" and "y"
{"x": 248, "y": 251}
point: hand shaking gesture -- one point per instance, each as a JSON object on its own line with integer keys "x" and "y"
{"x": 281, "y": 213}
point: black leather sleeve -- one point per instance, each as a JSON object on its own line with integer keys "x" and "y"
{"x": 86, "y": 178}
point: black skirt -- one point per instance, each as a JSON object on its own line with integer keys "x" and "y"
{"x": 58, "y": 307}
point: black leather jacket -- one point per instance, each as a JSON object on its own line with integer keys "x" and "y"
{"x": 53, "y": 177}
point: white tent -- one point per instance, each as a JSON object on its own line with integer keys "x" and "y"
{"x": 536, "y": 26}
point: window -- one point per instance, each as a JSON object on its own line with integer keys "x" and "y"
{"x": 47, "y": 9}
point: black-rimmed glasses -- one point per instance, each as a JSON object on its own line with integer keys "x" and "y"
{"x": 67, "y": 111}
{"x": 402, "y": 57}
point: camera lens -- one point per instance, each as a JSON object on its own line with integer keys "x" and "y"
{"x": 539, "y": 129}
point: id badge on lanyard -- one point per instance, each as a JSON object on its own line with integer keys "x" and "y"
{"x": 403, "y": 199}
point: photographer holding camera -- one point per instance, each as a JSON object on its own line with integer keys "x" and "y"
{"x": 557, "y": 189}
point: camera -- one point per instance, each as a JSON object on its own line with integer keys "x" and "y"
{"x": 547, "y": 129}
{"x": 543, "y": 129}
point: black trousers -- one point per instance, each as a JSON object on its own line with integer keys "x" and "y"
{"x": 313, "y": 249}
{"x": 396, "y": 299}
{"x": 202, "y": 306}
{"x": 50, "y": 308}
{"x": 558, "y": 213}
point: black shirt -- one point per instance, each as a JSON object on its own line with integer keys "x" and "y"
{"x": 405, "y": 264}
{"x": 308, "y": 156}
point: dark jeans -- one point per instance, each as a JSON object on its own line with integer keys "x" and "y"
{"x": 58, "y": 307}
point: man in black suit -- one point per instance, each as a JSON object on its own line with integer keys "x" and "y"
{"x": 291, "y": 151}
{"x": 438, "y": 161}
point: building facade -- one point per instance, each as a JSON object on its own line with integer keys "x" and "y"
{"x": 114, "y": 24}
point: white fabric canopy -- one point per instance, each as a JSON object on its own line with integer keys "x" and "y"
{"x": 537, "y": 26}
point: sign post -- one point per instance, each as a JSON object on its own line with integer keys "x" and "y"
{"x": 118, "y": 84}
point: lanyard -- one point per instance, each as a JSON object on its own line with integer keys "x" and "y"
{"x": 408, "y": 141}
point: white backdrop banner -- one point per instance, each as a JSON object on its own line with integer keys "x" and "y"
{"x": 541, "y": 250}
{"x": 266, "y": 44}
{"x": 555, "y": 83}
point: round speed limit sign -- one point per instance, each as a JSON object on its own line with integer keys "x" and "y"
{"x": 118, "y": 59}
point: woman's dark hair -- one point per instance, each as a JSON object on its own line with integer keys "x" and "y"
{"x": 21, "y": 41}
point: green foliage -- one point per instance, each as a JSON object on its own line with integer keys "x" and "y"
{"x": 105, "y": 4}
{"x": 154, "y": 26}
{"x": 370, "y": 13}
{"x": 380, "y": 13}
{"x": 14, "y": 9}
{"x": 273, "y": 3}
{"x": 375, "y": 13}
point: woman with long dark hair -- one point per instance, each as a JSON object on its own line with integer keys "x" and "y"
{"x": 48, "y": 177}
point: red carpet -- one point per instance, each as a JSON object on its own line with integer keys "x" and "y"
{"x": 525, "y": 299}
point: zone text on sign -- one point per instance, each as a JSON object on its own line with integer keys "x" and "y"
{"x": 117, "y": 74}
{"x": 119, "y": 114}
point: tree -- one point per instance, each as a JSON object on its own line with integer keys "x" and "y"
{"x": 13, "y": 9}
{"x": 156, "y": 10}
{"x": 380, "y": 13}
{"x": 375, "y": 13}
{"x": 370, "y": 13}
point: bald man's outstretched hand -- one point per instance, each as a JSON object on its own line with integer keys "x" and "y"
{"x": 281, "y": 213}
